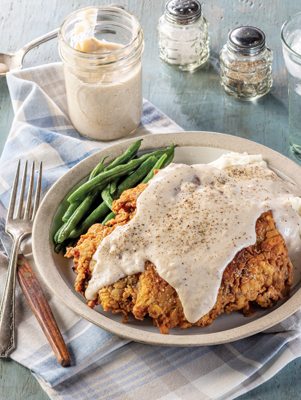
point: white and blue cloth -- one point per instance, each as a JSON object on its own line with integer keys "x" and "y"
{"x": 103, "y": 365}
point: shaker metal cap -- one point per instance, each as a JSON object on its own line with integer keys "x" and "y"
{"x": 246, "y": 41}
{"x": 183, "y": 12}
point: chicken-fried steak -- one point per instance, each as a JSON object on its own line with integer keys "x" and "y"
{"x": 258, "y": 275}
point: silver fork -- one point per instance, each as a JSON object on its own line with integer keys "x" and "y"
{"x": 18, "y": 228}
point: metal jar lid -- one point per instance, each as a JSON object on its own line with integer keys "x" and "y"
{"x": 246, "y": 41}
{"x": 183, "y": 12}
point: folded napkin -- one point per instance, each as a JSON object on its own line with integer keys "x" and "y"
{"x": 103, "y": 365}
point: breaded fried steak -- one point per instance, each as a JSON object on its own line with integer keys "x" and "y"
{"x": 260, "y": 275}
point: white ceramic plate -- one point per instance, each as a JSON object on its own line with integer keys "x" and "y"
{"x": 194, "y": 147}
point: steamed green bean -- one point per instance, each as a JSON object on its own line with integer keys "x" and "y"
{"x": 106, "y": 176}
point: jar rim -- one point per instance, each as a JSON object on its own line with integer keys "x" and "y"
{"x": 282, "y": 34}
{"x": 126, "y": 49}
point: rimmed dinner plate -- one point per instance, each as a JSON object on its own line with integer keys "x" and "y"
{"x": 194, "y": 148}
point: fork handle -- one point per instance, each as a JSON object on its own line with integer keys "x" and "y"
{"x": 40, "y": 307}
{"x": 7, "y": 307}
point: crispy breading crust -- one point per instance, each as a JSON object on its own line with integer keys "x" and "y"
{"x": 259, "y": 274}
{"x": 124, "y": 208}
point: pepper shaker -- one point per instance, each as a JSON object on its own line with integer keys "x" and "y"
{"x": 246, "y": 64}
{"x": 183, "y": 35}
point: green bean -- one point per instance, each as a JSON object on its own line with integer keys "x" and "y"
{"x": 103, "y": 208}
{"x": 126, "y": 156}
{"x": 113, "y": 185}
{"x": 73, "y": 206}
{"x": 133, "y": 179}
{"x": 70, "y": 210}
{"x": 105, "y": 194}
{"x": 57, "y": 233}
{"x": 78, "y": 215}
{"x": 103, "y": 180}
{"x": 128, "y": 183}
{"x": 59, "y": 246}
{"x": 170, "y": 157}
{"x": 97, "y": 170}
{"x": 163, "y": 162}
{"x": 158, "y": 165}
{"x": 98, "y": 188}
{"x": 108, "y": 218}
{"x": 72, "y": 230}
{"x": 94, "y": 217}
{"x": 106, "y": 176}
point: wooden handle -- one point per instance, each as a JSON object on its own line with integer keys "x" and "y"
{"x": 40, "y": 307}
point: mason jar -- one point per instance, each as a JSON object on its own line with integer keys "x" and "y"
{"x": 101, "y": 49}
{"x": 183, "y": 35}
{"x": 246, "y": 64}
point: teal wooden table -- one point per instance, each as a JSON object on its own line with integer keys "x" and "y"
{"x": 194, "y": 101}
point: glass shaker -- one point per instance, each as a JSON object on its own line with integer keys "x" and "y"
{"x": 183, "y": 35}
{"x": 246, "y": 64}
{"x": 291, "y": 48}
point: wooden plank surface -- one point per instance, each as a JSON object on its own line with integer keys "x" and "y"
{"x": 195, "y": 101}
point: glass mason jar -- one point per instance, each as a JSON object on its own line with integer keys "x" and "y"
{"x": 183, "y": 35}
{"x": 246, "y": 64}
{"x": 104, "y": 89}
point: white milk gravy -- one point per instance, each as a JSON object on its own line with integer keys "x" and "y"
{"x": 190, "y": 223}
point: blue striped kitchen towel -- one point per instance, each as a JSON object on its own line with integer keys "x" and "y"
{"x": 103, "y": 365}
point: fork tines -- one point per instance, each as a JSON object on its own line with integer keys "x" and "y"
{"x": 28, "y": 207}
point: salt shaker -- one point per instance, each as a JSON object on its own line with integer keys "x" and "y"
{"x": 246, "y": 64}
{"x": 183, "y": 35}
